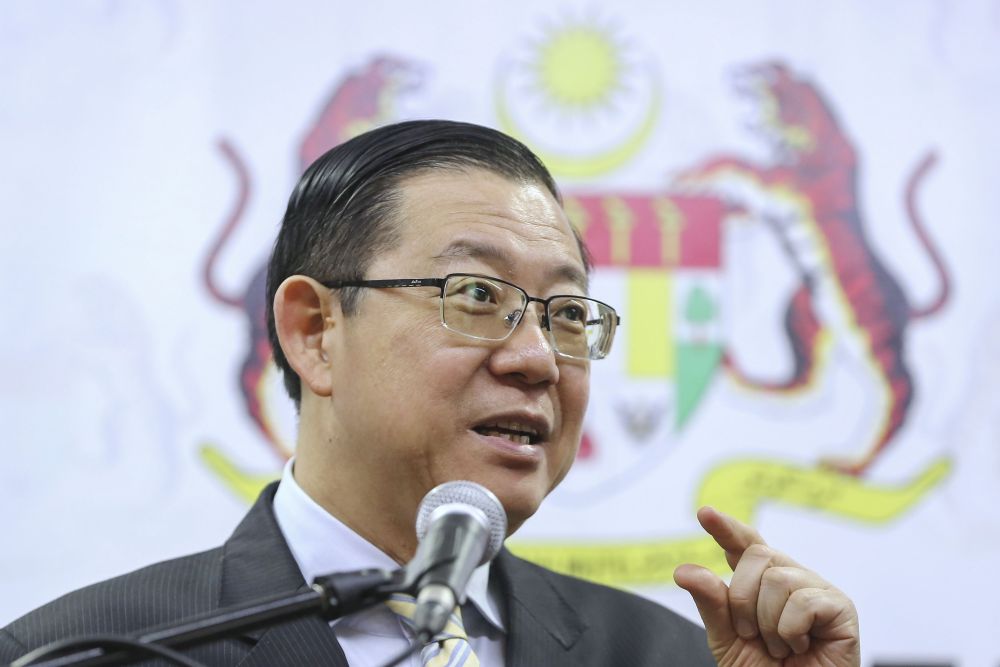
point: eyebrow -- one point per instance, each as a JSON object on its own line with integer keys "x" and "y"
{"x": 489, "y": 251}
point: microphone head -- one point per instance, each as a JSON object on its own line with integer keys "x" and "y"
{"x": 471, "y": 494}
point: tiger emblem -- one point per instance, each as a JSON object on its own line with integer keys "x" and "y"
{"x": 808, "y": 197}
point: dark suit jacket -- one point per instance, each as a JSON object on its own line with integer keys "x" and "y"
{"x": 551, "y": 619}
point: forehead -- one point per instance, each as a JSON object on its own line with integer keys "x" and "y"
{"x": 454, "y": 218}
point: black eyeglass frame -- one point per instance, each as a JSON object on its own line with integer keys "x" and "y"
{"x": 441, "y": 282}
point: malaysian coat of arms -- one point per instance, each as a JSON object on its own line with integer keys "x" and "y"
{"x": 589, "y": 103}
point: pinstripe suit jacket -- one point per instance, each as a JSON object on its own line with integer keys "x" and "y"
{"x": 552, "y": 620}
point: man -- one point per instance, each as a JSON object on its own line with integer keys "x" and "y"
{"x": 429, "y": 313}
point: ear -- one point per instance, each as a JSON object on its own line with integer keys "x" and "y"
{"x": 302, "y": 315}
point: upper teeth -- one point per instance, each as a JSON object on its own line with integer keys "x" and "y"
{"x": 516, "y": 426}
{"x": 519, "y": 439}
{"x": 522, "y": 432}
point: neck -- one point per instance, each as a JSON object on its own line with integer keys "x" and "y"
{"x": 384, "y": 518}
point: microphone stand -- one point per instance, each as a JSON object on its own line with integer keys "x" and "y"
{"x": 331, "y": 596}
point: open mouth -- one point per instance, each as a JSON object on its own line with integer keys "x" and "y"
{"x": 522, "y": 434}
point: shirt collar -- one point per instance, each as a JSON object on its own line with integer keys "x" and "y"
{"x": 322, "y": 544}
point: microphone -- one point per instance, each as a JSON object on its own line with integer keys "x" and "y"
{"x": 460, "y": 525}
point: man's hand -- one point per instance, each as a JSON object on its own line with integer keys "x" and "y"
{"x": 774, "y": 611}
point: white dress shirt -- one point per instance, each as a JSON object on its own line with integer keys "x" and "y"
{"x": 321, "y": 544}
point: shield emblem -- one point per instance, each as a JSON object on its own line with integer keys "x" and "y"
{"x": 658, "y": 259}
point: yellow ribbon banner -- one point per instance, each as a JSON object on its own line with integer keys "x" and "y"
{"x": 737, "y": 488}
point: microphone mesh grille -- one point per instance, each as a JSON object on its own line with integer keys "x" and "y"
{"x": 466, "y": 493}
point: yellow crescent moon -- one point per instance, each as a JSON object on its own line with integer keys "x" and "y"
{"x": 584, "y": 166}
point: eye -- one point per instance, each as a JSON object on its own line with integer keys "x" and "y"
{"x": 479, "y": 291}
{"x": 475, "y": 294}
{"x": 572, "y": 314}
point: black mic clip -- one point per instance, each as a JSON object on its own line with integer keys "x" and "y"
{"x": 347, "y": 592}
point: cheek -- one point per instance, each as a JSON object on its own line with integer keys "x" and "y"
{"x": 432, "y": 374}
{"x": 574, "y": 394}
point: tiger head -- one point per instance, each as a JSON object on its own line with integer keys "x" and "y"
{"x": 791, "y": 114}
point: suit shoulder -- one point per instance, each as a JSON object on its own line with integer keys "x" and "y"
{"x": 153, "y": 595}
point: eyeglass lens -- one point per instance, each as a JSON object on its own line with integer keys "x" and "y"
{"x": 489, "y": 309}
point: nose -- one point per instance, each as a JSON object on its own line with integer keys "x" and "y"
{"x": 527, "y": 353}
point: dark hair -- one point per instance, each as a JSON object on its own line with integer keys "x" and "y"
{"x": 341, "y": 213}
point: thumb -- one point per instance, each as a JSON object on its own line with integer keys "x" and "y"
{"x": 711, "y": 596}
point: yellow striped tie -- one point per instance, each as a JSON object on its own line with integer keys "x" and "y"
{"x": 449, "y": 648}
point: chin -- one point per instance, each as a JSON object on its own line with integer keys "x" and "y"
{"x": 520, "y": 491}
{"x": 519, "y": 503}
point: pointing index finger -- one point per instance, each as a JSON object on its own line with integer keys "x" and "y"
{"x": 734, "y": 536}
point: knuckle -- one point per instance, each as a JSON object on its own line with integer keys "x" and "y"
{"x": 740, "y": 599}
{"x": 758, "y": 551}
{"x": 805, "y": 597}
{"x": 768, "y": 624}
{"x": 779, "y": 577}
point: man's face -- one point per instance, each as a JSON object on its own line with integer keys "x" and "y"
{"x": 417, "y": 404}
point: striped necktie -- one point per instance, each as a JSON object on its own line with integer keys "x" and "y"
{"x": 449, "y": 648}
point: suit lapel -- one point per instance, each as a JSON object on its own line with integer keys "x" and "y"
{"x": 306, "y": 641}
{"x": 542, "y": 627}
{"x": 256, "y": 563}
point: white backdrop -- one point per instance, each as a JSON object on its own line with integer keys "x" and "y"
{"x": 128, "y": 363}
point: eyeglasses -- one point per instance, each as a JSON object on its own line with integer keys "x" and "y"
{"x": 489, "y": 308}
